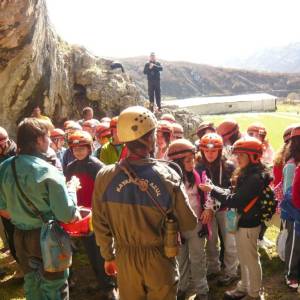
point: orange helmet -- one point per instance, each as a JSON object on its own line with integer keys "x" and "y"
{"x": 257, "y": 128}
{"x": 211, "y": 141}
{"x": 164, "y": 126}
{"x": 89, "y": 123}
{"x": 113, "y": 122}
{"x": 287, "y": 133}
{"x": 80, "y": 138}
{"x": 168, "y": 117}
{"x": 81, "y": 227}
{"x": 180, "y": 148}
{"x": 295, "y": 130}
{"x": 177, "y": 131}
{"x": 3, "y": 136}
{"x": 103, "y": 130}
{"x": 227, "y": 129}
{"x": 57, "y": 133}
{"x": 203, "y": 127}
{"x": 251, "y": 146}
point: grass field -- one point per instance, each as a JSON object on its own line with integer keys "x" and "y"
{"x": 275, "y": 122}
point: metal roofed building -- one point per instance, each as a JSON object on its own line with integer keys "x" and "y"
{"x": 226, "y": 104}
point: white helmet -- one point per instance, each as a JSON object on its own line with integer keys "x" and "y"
{"x": 134, "y": 122}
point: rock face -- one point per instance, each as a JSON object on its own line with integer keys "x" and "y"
{"x": 38, "y": 68}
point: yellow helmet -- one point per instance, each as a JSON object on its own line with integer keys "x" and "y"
{"x": 134, "y": 122}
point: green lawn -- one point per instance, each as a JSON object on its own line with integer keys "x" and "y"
{"x": 275, "y": 123}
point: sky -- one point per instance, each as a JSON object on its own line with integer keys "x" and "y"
{"x": 201, "y": 31}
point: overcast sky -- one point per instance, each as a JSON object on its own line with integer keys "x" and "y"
{"x": 204, "y": 31}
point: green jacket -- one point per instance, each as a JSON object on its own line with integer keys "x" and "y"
{"x": 43, "y": 184}
{"x": 110, "y": 153}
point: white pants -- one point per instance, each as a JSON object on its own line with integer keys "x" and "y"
{"x": 247, "y": 250}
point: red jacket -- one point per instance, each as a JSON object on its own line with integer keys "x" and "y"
{"x": 277, "y": 174}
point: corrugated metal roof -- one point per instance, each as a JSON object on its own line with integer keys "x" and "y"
{"x": 222, "y": 99}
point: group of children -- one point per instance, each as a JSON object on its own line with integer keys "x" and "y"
{"x": 223, "y": 170}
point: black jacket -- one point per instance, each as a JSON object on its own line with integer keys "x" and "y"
{"x": 153, "y": 74}
{"x": 250, "y": 184}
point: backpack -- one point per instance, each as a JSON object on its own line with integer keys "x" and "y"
{"x": 268, "y": 204}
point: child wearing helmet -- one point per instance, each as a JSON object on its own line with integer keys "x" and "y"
{"x": 57, "y": 137}
{"x": 259, "y": 131}
{"x": 249, "y": 182}
{"x": 178, "y": 132}
{"x": 102, "y": 135}
{"x": 192, "y": 258}
{"x": 219, "y": 170}
{"x": 113, "y": 150}
{"x": 203, "y": 128}
{"x": 290, "y": 210}
{"x": 163, "y": 139}
{"x": 85, "y": 167}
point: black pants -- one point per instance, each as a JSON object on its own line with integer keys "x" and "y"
{"x": 9, "y": 229}
{"x": 97, "y": 262}
{"x": 154, "y": 90}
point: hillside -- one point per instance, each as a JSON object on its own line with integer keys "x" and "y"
{"x": 184, "y": 79}
{"x": 280, "y": 59}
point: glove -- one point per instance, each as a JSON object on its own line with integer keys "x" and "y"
{"x": 110, "y": 268}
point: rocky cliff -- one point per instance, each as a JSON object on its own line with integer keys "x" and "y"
{"x": 38, "y": 68}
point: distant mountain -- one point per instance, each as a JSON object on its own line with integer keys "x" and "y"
{"x": 185, "y": 79}
{"x": 281, "y": 59}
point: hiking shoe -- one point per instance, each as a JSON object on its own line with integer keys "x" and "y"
{"x": 234, "y": 295}
{"x": 226, "y": 280}
{"x": 292, "y": 283}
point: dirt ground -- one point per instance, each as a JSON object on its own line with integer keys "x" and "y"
{"x": 275, "y": 289}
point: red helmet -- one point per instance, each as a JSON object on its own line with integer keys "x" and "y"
{"x": 80, "y": 138}
{"x": 168, "y": 117}
{"x": 288, "y": 131}
{"x": 113, "y": 122}
{"x": 57, "y": 133}
{"x": 257, "y": 128}
{"x": 103, "y": 130}
{"x": 251, "y": 146}
{"x": 211, "y": 141}
{"x": 89, "y": 123}
{"x": 82, "y": 227}
{"x": 177, "y": 131}
{"x": 164, "y": 126}
{"x": 3, "y": 136}
{"x": 295, "y": 130}
{"x": 180, "y": 148}
{"x": 72, "y": 125}
{"x": 228, "y": 128}
{"x": 203, "y": 127}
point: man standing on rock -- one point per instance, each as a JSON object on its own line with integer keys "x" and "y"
{"x": 152, "y": 69}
